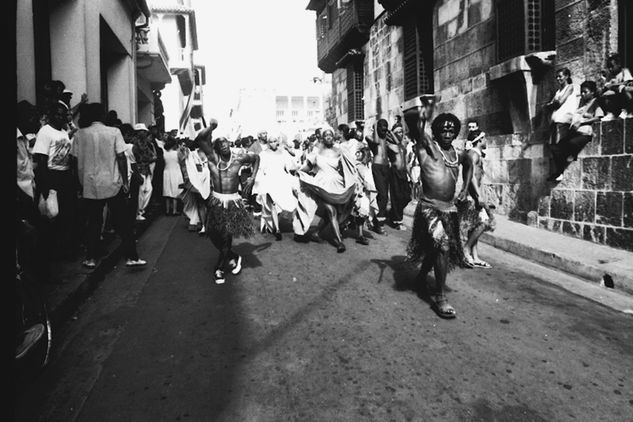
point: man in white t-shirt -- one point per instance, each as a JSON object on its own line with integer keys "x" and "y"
{"x": 51, "y": 154}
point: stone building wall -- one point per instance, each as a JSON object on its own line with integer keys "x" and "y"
{"x": 517, "y": 162}
{"x": 595, "y": 199}
{"x": 383, "y": 71}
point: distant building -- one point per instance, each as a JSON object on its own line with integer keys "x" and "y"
{"x": 290, "y": 110}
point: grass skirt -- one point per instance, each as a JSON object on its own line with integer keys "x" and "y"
{"x": 226, "y": 214}
{"x": 433, "y": 230}
{"x": 448, "y": 230}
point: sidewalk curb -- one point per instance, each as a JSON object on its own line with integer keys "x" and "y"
{"x": 623, "y": 281}
{"x": 63, "y": 311}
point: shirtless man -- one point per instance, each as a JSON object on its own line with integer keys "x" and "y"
{"x": 226, "y": 216}
{"x": 380, "y": 170}
{"x": 478, "y": 213}
{"x": 399, "y": 189}
{"x": 436, "y": 238}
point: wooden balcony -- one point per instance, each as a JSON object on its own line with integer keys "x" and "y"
{"x": 348, "y": 29}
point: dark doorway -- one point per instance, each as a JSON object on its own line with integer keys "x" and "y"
{"x": 42, "y": 47}
{"x": 111, "y": 53}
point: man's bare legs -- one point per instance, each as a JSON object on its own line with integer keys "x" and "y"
{"x": 438, "y": 260}
{"x": 470, "y": 249}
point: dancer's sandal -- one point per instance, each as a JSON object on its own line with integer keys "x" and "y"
{"x": 443, "y": 308}
{"x": 340, "y": 248}
{"x": 481, "y": 264}
{"x": 469, "y": 262}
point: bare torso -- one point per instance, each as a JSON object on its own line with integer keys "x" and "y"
{"x": 380, "y": 151}
{"x": 224, "y": 173}
{"x": 438, "y": 180}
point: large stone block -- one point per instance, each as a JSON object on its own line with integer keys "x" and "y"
{"x": 571, "y": 177}
{"x": 620, "y": 238}
{"x": 543, "y": 206}
{"x": 519, "y": 171}
{"x": 627, "y": 210}
{"x": 593, "y": 233}
{"x": 609, "y": 208}
{"x": 571, "y": 50}
{"x": 573, "y": 229}
{"x": 570, "y": 22}
{"x": 622, "y": 173}
{"x": 593, "y": 147}
{"x": 612, "y": 138}
{"x": 595, "y": 173}
{"x": 562, "y": 204}
{"x": 585, "y": 206}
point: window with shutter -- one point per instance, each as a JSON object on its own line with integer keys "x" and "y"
{"x": 418, "y": 57}
{"x": 523, "y": 27}
{"x": 355, "y": 106}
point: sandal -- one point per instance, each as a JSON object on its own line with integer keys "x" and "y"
{"x": 481, "y": 264}
{"x": 469, "y": 262}
{"x": 443, "y": 308}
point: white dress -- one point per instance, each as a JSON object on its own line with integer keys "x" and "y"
{"x": 172, "y": 175}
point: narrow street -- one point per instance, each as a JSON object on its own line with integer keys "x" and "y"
{"x": 306, "y": 334}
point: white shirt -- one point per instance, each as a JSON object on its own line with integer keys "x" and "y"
{"x": 56, "y": 145}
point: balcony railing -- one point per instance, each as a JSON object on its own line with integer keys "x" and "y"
{"x": 151, "y": 55}
{"x": 349, "y": 29}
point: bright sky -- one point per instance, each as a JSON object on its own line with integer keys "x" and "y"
{"x": 253, "y": 43}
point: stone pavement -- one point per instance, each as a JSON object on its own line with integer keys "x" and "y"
{"x": 590, "y": 261}
{"x": 76, "y": 283}
{"x": 580, "y": 258}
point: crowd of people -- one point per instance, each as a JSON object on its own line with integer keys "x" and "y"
{"x": 82, "y": 175}
{"x": 574, "y": 110}
{"x": 350, "y": 180}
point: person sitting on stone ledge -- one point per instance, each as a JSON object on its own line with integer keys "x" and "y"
{"x": 580, "y": 133}
{"x": 617, "y": 94}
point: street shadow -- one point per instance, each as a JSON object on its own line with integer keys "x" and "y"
{"x": 405, "y": 277}
{"x": 249, "y": 252}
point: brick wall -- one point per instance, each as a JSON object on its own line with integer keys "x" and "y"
{"x": 595, "y": 199}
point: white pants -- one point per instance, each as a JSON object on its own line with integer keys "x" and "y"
{"x": 145, "y": 193}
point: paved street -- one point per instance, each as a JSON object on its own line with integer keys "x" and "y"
{"x": 306, "y": 334}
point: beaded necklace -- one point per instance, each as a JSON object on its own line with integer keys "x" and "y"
{"x": 228, "y": 164}
{"x": 448, "y": 162}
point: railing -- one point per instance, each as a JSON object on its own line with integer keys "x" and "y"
{"x": 347, "y": 18}
{"x": 149, "y": 40}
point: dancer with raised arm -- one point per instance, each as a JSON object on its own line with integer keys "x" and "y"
{"x": 435, "y": 238}
{"x": 226, "y": 215}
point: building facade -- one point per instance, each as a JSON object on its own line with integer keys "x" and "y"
{"x": 135, "y": 58}
{"x": 87, "y": 44}
{"x": 495, "y": 61}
